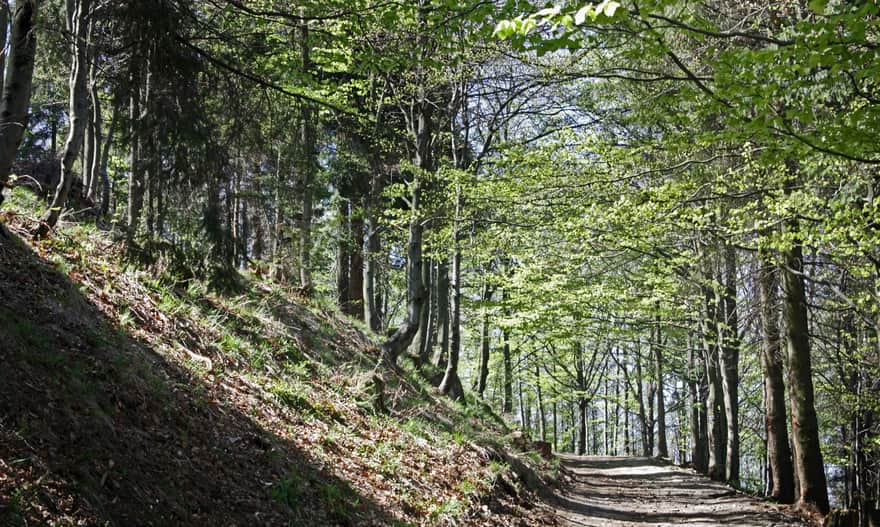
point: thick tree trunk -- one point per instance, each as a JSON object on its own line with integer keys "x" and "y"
{"x": 15, "y": 103}
{"x": 804, "y": 423}
{"x": 78, "y": 103}
{"x": 730, "y": 365}
{"x": 421, "y": 127}
{"x": 715, "y": 400}
{"x": 778, "y": 449}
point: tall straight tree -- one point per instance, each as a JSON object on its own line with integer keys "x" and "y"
{"x": 778, "y": 447}
{"x": 730, "y": 364}
{"x": 810, "y": 470}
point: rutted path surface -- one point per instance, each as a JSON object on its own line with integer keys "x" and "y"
{"x": 637, "y": 491}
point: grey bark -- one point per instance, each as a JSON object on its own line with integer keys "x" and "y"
{"x": 715, "y": 401}
{"x": 730, "y": 365}
{"x": 78, "y": 104}
{"x": 16, "y": 93}
{"x": 804, "y": 423}
{"x": 778, "y": 448}
{"x": 662, "y": 448}
{"x": 485, "y": 345}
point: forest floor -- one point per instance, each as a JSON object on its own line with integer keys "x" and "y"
{"x": 131, "y": 397}
{"x": 638, "y": 491}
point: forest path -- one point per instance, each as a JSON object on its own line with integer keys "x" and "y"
{"x": 639, "y": 491}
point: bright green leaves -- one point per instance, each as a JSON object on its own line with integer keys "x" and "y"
{"x": 554, "y": 17}
{"x": 818, "y": 6}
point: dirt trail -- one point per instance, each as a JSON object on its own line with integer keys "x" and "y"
{"x": 618, "y": 492}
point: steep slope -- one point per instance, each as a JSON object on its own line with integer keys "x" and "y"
{"x": 130, "y": 400}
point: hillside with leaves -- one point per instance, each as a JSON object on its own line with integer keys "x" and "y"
{"x": 129, "y": 398}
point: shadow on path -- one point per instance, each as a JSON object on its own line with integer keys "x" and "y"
{"x": 635, "y": 491}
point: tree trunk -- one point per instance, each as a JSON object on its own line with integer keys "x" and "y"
{"x": 308, "y": 166}
{"x": 715, "y": 400}
{"x": 136, "y": 181}
{"x": 451, "y": 383}
{"x": 442, "y": 305}
{"x": 421, "y": 127}
{"x": 485, "y": 344}
{"x": 730, "y": 365}
{"x": 105, "y": 159}
{"x": 78, "y": 103}
{"x": 542, "y": 424}
{"x": 15, "y": 105}
{"x": 356, "y": 266}
{"x": 507, "y": 405}
{"x": 640, "y": 397}
{"x": 371, "y": 276}
{"x": 4, "y": 36}
{"x": 778, "y": 449}
{"x": 342, "y": 254}
{"x": 698, "y": 447}
{"x": 804, "y": 423}
{"x": 422, "y": 344}
{"x": 662, "y": 448}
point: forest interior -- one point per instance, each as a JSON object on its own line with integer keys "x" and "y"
{"x": 440, "y": 262}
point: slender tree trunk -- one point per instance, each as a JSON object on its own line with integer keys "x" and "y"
{"x": 307, "y": 170}
{"x": 451, "y": 383}
{"x": 136, "y": 181}
{"x": 485, "y": 344}
{"x": 730, "y": 365}
{"x": 371, "y": 276}
{"x": 778, "y": 450}
{"x": 662, "y": 448}
{"x": 342, "y": 253}
{"x": 104, "y": 206}
{"x": 804, "y": 423}
{"x": 78, "y": 104}
{"x": 696, "y": 372}
{"x": 542, "y": 423}
{"x": 96, "y": 123}
{"x": 15, "y": 103}
{"x": 507, "y": 405}
{"x": 4, "y": 37}
{"x": 422, "y": 342}
{"x": 640, "y": 392}
{"x": 443, "y": 322}
{"x": 356, "y": 266}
